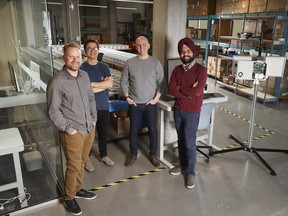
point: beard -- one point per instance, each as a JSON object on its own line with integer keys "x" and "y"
{"x": 187, "y": 61}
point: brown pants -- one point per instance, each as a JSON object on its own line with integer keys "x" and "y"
{"x": 76, "y": 149}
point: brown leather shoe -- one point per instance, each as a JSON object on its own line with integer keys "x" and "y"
{"x": 129, "y": 162}
{"x": 155, "y": 161}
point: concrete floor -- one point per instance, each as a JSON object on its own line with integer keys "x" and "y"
{"x": 231, "y": 184}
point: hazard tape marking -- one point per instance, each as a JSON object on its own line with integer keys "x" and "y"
{"x": 268, "y": 132}
{"x": 129, "y": 178}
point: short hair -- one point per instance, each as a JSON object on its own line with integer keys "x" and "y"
{"x": 141, "y": 37}
{"x": 69, "y": 45}
{"x": 91, "y": 41}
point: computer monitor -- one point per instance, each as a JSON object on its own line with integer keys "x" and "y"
{"x": 13, "y": 77}
{"x": 171, "y": 64}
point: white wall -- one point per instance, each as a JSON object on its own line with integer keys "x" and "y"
{"x": 7, "y": 51}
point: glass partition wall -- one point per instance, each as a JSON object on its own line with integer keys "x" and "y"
{"x": 26, "y": 68}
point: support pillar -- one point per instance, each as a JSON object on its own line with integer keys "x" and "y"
{"x": 112, "y": 22}
{"x": 71, "y": 21}
{"x": 169, "y": 26}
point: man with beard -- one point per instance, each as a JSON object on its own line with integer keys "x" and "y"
{"x": 187, "y": 84}
{"x": 72, "y": 108}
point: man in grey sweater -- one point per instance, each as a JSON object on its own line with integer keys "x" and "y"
{"x": 72, "y": 108}
{"x": 142, "y": 83}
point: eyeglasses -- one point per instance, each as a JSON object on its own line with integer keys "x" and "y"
{"x": 91, "y": 49}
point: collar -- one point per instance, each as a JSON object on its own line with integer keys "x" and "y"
{"x": 68, "y": 75}
{"x": 189, "y": 66}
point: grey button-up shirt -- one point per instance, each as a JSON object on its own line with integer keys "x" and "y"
{"x": 71, "y": 103}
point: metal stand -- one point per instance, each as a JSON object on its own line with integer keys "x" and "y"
{"x": 249, "y": 148}
{"x": 198, "y": 148}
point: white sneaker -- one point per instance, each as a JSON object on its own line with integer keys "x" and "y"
{"x": 106, "y": 160}
{"x": 88, "y": 165}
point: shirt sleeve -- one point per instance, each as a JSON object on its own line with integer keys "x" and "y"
{"x": 160, "y": 78}
{"x": 172, "y": 88}
{"x": 92, "y": 102}
{"x": 124, "y": 78}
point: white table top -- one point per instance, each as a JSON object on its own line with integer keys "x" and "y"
{"x": 168, "y": 105}
{"x": 10, "y": 141}
{"x": 22, "y": 100}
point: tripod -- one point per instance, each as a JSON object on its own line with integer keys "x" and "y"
{"x": 249, "y": 147}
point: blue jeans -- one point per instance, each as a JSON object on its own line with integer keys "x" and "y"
{"x": 186, "y": 124}
{"x": 149, "y": 112}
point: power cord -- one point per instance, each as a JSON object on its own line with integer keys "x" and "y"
{"x": 7, "y": 201}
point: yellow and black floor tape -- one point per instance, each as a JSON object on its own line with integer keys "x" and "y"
{"x": 268, "y": 132}
{"x": 129, "y": 178}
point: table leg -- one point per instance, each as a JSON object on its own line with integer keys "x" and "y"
{"x": 161, "y": 140}
{"x": 19, "y": 180}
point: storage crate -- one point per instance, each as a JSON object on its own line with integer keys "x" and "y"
{"x": 33, "y": 160}
{"x": 120, "y": 122}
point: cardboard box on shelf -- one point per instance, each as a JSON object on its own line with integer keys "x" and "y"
{"x": 223, "y": 66}
{"x": 225, "y": 80}
{"x": 255, "y": 26}
{"x": 231, "y": 79}
{"x": 94, "y": 37}
{"x": 201, "y": 8}
{"x": 201, "y": 34}
{"x": 277, "y": 5}
{"x": 272, "y": 29}
{"x": 105, "y": 39}
{"x": 228, "y": 7}
{"x": 257, "y": 6}
{"x": 248, "y": 83}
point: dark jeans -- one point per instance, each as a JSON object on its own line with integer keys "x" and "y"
{"x": 102, "y": 129}
{"x": 186, "y": 124}
{"x": 149, "y": 112}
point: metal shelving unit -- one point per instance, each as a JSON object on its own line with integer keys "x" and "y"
{"x": 276, "y": 47}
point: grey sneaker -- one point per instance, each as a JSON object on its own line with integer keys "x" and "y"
{"x": 88, "y": 165}
{"x": 106, "y": 160}
{"x": 176, "y": 170}
{"x": 190, "y": 181}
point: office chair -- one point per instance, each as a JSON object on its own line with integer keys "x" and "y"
{"x": 202, "y": 133}
{"x": 204, "y": 124}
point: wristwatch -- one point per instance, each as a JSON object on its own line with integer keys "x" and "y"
{"x": 127, "y": 97}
